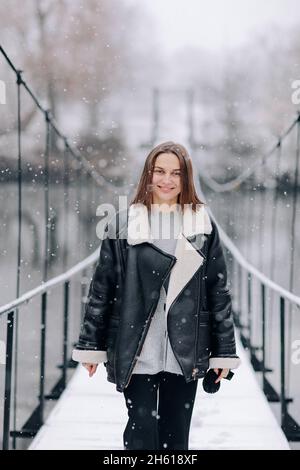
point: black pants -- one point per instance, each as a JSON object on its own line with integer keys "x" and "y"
{"x": 165, "y": 426}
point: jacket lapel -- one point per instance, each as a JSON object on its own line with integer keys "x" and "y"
{"x": 188, "y": 262}
{"x": 194, "y": 227}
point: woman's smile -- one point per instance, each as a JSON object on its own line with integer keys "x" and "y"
{"x": 165, "y": 189}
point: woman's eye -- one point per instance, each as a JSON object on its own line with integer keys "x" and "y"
{"x": 161, "y": 171}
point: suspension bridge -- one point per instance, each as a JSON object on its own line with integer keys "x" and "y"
{"x": 47, "y": 401}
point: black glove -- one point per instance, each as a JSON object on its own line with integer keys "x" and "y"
{"x": 209, "y": 384}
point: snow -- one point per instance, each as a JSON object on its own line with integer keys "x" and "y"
{"x": 91, "y": 414}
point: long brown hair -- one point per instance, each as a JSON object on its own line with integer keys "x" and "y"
{"x": 188, "y": 193}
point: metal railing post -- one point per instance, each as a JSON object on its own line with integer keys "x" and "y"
{"x": 249, "y": 309}
{"x": 65, "y": 334}
{"x": 282, "y": 363}
{"x": 240, "y": 287}
{"x": 263, "y": 330}
{"x": 83, "y": 292}
{"x": 42, "y": 358}
{"x": 10, "y": 414}
{"x": 8, "y": 379}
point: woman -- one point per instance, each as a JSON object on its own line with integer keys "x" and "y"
{"x": 159, "y": 310}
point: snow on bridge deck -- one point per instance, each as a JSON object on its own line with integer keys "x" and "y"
{"x": 91, "y": 414}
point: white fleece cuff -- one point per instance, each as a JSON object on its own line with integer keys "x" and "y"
{"x": 93, "y": 357}
{"x": 224, "y": 362}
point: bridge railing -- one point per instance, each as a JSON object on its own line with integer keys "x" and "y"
{"x": 64, "y": 281}
{"x": 247, "y": 283}
{"x": 55, "y": 194}
{"x": 259, "y": 209}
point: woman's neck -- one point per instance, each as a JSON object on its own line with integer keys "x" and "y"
{"x": 164, "y": 207}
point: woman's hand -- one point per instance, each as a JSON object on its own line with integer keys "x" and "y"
{"x": 90, "y": 367}
{"x": 223, "y": 374}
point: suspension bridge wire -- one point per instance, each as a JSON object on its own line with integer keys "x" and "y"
{"x": 274, "y": 213}
{"x": 250, "y": 202}
{"x": 100, "y": 179}
{"x": 66, "y": 193}
{"x": 230, "y": 185}
{"x": 46, "y": 199}
{"x": 250, "y": 228}
{"x": 256, "y": 212}
{"x": 262, "y": 219}
{"x": 18, "y": 280}
{"x": 253, "y": 216}
{"x": 292, "y": 249}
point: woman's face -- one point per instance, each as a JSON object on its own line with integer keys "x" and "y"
{"x": 166, "y": 179}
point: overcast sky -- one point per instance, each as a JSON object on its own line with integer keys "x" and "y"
{"x": 213, "y": 24}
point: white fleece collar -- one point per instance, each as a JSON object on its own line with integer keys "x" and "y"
{"x": 193, "y": 223}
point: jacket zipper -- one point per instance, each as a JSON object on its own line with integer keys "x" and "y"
{"x": 195, "y": 369}
{"x": 139, "y": 348}
{"x": 166, "y": 346}
{"x": 166, "y": 339}
{"x": 194, "y": 372}
{"x": 146, "y": 329}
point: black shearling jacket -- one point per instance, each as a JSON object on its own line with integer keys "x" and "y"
{"x": 124, "y": 293}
